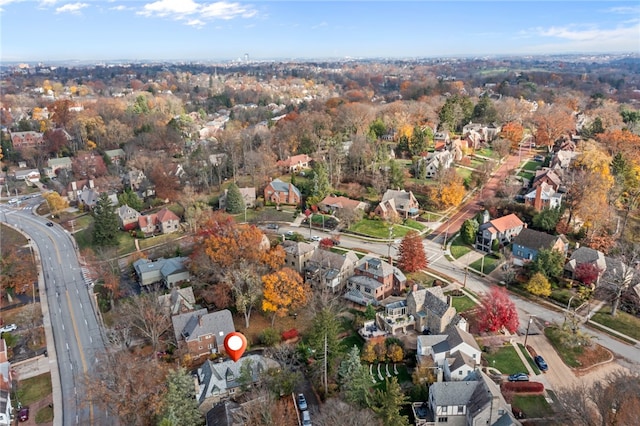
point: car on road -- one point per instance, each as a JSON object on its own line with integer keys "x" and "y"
{"x": 272, "y": 226}
{"x": 306, "y": 418}
{"x": 541, "y": 363}
{"x": 538, "y": 158}
{"x": 519, "y": 377}
{"x": 315, "y": 238}
{"x": 49, "y": 223}
{"x": 302, "y": 402}
{"x": 289, "y": 233}
{"x": 7, "y": 328}
{"x": 23, "y": 414}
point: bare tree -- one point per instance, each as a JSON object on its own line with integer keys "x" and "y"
{"x": 337, "y": 412}
{"x": 148, "y": 318}
{"x": 620, "y": 276}
{"x": 247, "y": 287}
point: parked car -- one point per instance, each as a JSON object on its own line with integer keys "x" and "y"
{"x": 49, "y": 223}
{"x": 315, "y": 238}
{"x": 23, "y": 414}
{"x": 542, "y": 364}
{"x": 289, "y": 233}
{"x": 539, "y": 158}
{"x": 306, "y": 418}
{"x": 519, "y": 377}
{"x": 272, "y": 226}
{"x": 7, "y": 328}
{"x": 302, "y": 402}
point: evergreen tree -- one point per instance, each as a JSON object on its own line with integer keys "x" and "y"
{"x": 325, "y": 324}
{"x": 130, "y": 199}
{"x": 321, "y": 185}
{"x": 396, "y": 175}
{"x": 549, "y": 262}
{"x": 387, "y": 404}
{"x": 180, "y": 406}
{"x": 547, "y": 219}
{"x": 235, "y": 203}
{"x": 468, "y": 231}
{"x": 105, "y": 228}
{"x": 355, "y": 379}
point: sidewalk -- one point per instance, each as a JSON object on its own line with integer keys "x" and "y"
{"x": 522, "y": 357}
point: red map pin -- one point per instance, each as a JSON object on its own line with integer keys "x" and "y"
{"x": 235, "y": 343}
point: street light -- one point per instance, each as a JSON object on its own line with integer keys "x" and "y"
{"x": 527, "y": 333}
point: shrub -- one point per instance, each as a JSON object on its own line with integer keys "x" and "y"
{"x": 290, "y": 334}
{"x": 269, "y": 336}
{"x": 523, "y": 387}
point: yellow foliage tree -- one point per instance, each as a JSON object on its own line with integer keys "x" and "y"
{"x": 284, "y": 291}
{"x": 538, "y": 285}
{"x": 55, "y": 202}
{"x": 395, "y": 352}
{"x": 451, "y": 194}
{"x": 368, "y": 352}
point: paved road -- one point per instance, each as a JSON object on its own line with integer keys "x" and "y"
{"x": 76, "y": 334}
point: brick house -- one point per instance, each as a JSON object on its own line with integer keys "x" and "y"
{"x": 202, "y": 333}
{"x": 295, "y": 163}
{"x": 374, "y": 280}
{"x": 164, "y": 222}
{"x": 397, "y": 203}
{"x": 279, "y": 192}
{"x": 26, "y": 139}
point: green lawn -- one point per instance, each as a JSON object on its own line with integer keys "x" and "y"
{"x": 458, "y": 248}
{"x": 490, "y": 263}
{"x": 487, "y": 152}
{"x": 533, "y": 406}
{"x": 506, "y": 360}
{"x": 34, "y": 389}
{"x": 462, "y": 303}
{"x": 527, "y": 175}
{"x": 421, "y": 278}
{"x": 526, "y": 354}
{"x": 351, "y": 340}
{"x": 463, "y": 173}
{"x": 378, "y": 229}
{"x": 531, "y": 166}
{"x": 414, "y": 224}
{"x": 623, "y": 322}
{"x": 44, "y": 415}
{"x": 568, "y": 353}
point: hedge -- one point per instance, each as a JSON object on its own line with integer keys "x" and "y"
{"x": 524, "y": 387}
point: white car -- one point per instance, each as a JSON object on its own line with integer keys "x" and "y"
{"x": 7, "y": 328}
{"x": 315, "y": 238}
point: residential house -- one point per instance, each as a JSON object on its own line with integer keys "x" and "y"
{"x": 543, "y": 197}
{"x": 435, "y": 162}
{"x": 374, "y": 280}
{"x": 167, "y": 271}
{"x": 248, "y": 195}
{"x": 29, "y": 175}
{"x": 134, "y": 179}
{"x": 503, "y": 230}
{"x": 217, "y": 381}
{"x": 128, "y": 217}
{"x": 477, "y": 401}
{"x": 562, "y": 159}
{"x": 432, "y": 310}
{"x": 164, "y": 222}
{"x": 442, "y": 138}
{"x": 5, "y": 386}
{"x": 297, "y": 254}
{"x": 56, "y": 165}
{"x": 529, "y": 242}
{"x": 395, "y": 203}
{"x": 487, "y": 132}
{"x": 116, "y": 156}
{"x": 178, "y": 300}
{"x": 455, "y": 352}
{"x": 279, "y": 192}
{"x": 332, "y": 204}
{"x": 75, "y": 188}
{"x": 89, "y": 165}
{"x": 328, "y": 270}
{"x": 26, "y": 139}
{"x": 585, "y": 255}
{"x": 295, "y": 163}
{"x": 201, "y": 332}
{"x": 223, "y": 413}
{"x": 547, "y": 176}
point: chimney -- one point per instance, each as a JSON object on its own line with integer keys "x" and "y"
{"x": 537, "y": 202}
{"x": 200, "y": 321}
{"x": 415, "y": 287}
{"x": 450, "y": 301}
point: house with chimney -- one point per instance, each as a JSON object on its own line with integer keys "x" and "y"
{"x": 166, "y": 271}
{"x": 297, "y": 254}
{"x": 56, "y": 165}
{"x": 397, "y": 203}
{"x": 294, "y": 164}
{"x": 374, "y": 280}
{"x": 178, "y": 301}
{"x": 502, "y": 230}
{"x": 543, "y": 197}
{"x": 583, "y": 255}
{"x": 127, "y": 217}
{"x": 526, "y": 245}
{"x": 329, "y": 271}
{"x": 27, "y": 139}
{"x": 202, "y": 333}
{"x": 279, "y": 192}
{"x": 248, "y": 195}
{"x": 163, "y": 222}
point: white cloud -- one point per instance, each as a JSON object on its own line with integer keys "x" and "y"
{"x": 71, "y": 8}
{"x": 197, "y": 14}
{"x": 320, "y": 25}
{"x": 591, "y": 33}
{"x": 119, "y": 7}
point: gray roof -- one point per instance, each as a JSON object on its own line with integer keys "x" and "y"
{"x": 365, "y": 281}
{"x": 535, "y": 240}
{"x": 176, "y": 298}
{"x": 173, "y": 265}
{"x": 458, "y": 336}
{"x": 332, "y": 260}
{"x": 191, "y": 325}
{"x": 452, "y": 393}
{"x": 297, "y": 248}
{"x": 280, "y": 186}
{"x": 586, "y": 255}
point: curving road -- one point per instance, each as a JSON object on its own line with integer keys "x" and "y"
{"x": 76, "y": 333}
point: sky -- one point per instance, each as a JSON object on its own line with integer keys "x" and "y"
{"x": 101, "y": 30}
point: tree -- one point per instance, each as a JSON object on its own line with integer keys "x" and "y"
{"x": 247, "y": 289}
{"x": 148, "y": 317}
{"x": 502, "y": 147}
{"x": 547, "y": 219}
{"x": 395, "y": 352}
{"x": 387, "y": 404}
{"x": 105, "y": 227}
{"x": 180, "y": 406}
{"x": 513, "y": 132}
{"x": 412, "y": 256}
{"x": 456, "y": 111}
{"x": 484, "y": 111}
{"x": 468, "y": 231}
{"x": 620, "y": 277}
{"x": 131, "y": 199}
{"x": 167, "y": 184}
{"x": 338, "y": 412}
{"x": 55, "y": 202}
{"x": 368, "y": 352}
{"x": 587, "y": 273}
{"x": 321, "y": 184}
{"x": 235, "y": 203}
{"x": 17, "y": 270}
{"x": 538, "y": 285}
{"x": 396, "y": 175}
{"x": 549, "y": 262}
{"x": 355, "y": 380}
{"x": 552, "y": 121}
{"x": 496, "y": 311}
{"x": 284, "y": 291}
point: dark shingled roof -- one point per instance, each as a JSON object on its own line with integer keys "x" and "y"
{"x": 535, "y": 240}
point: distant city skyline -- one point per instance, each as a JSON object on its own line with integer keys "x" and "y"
{"x": 102, "y": 30}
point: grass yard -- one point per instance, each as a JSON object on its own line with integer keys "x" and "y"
{"x": 531, "y": 166}
{"x": 505, "y": 359}
{"x": 463, "y": 173}
{"x": 413, "y": 224}
{"x": 526, "y": 354}
{"x": 351, "y": 340}
{"x": 44, "y": 415}
{"x": 533, "y": 406}
{"x": 527, "y": 175}
{"x": 145, "y": 243}
{"x": 490, "y": 263}
{"x": 476, "y": 162}
{"x": 458, "y": 248}
{"x": 575, "y": 355}
{"x": 462, "y": 303}
{"x": 378, "y": 229}
{"x": 623, "y": 322}
{"x": 420, "y": 278}
{"x": 34, "y": 389}
{"x": 487, "y": 152}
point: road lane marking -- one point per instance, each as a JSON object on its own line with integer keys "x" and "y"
{"x": 84, "y": 362}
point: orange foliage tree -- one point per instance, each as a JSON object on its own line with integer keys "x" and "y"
{"x": 513, "y": 132}
{"x": 412, "y": 254}
{"x": 551, "y": 123}
{"x": 451, "y": 194}
{"x": 284, "y": 291}
{"x": 621, "y": 141}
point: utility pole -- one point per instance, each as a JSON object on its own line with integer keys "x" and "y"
{"x": 527, "y": 334}
{"x": 326, "y": 385}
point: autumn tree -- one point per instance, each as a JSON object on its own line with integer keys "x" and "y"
{"x": 18, "y": 270}
{"x": 451, "y": 193}
{"x": 368, "y": 352}
{"x": 55, "y": 202}
{"x": 538, "y": 285}
{"x": 552, "y": 122}
{"x": 513, "y": 132}
{"x": 387, "y": 403}
{"x": 284, "y": 291}
{"x": 412, "y": 256}
{"x": 246, "y": 285}
{"x": 496, "y": 311}
{"x": 179, "y": 405}
{"x": 105, "y": 227}
{"x": 148, "y": 318}
{"x": 502, "y": 147}
{"x": 167, "y": 184}
{"x": 468, "y": 231}
{"x": 620, "y": 277}
{"x": 587, "y": 273}
{"x": 338, "y": 412}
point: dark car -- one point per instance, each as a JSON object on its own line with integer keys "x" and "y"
{"x": 519, "y": 377}
{"x": 542, "y": 364}
{"x": 49, "y": 223}
{"x": 272, "y": 226}
{"x": 302, "y": 402}
{"x": 23, "y": 414}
